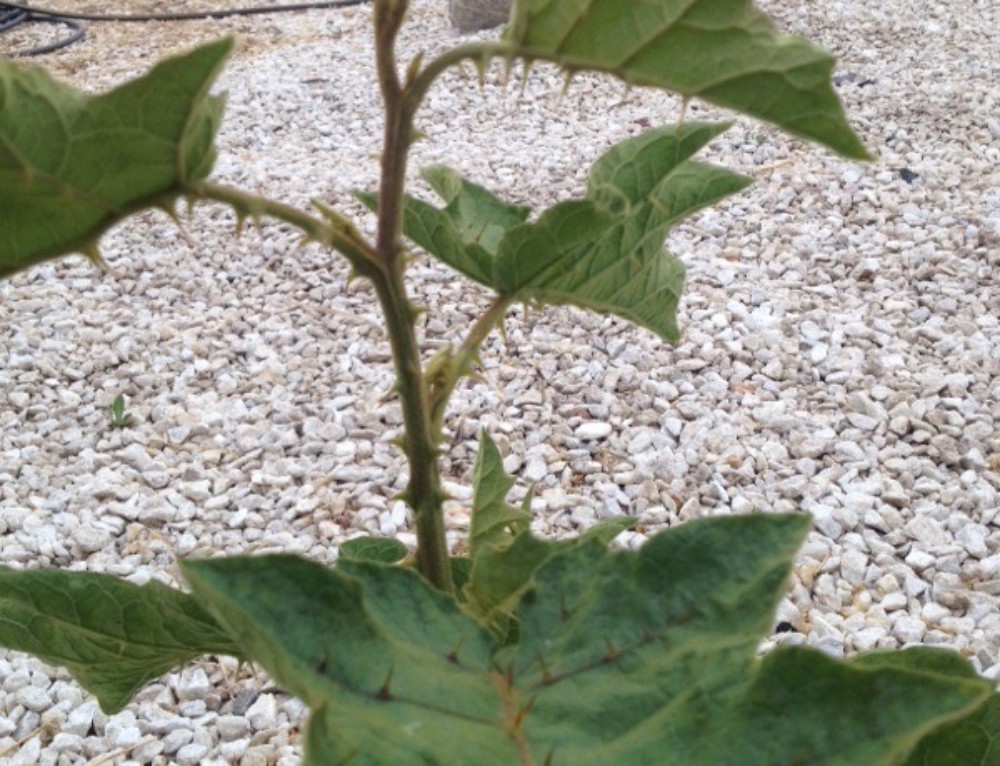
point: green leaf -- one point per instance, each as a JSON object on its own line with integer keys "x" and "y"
{"x": 500, "y": 576}
{"x": 723, "y": 51}
{"x": 72, "y": 165}
{"x": 625, "y": 658}
{"x": 604, "y": 252}
{"x": 393, "y": 670}
{"x": 971, "y": 741}
{"x": 377, "y": 550}
{"x": 466, "y": 233}
{"x": 113, "y": 636}
{"x": 919, "y": 659}
{"x": 493, "y": 521}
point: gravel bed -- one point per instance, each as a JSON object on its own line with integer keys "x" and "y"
{"x": 841, "y": 356}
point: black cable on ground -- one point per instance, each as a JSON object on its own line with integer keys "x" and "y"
{"x": 15, "y": 14}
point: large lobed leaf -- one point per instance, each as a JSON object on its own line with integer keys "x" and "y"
{"x": 113, "y": 636}
{"x": 624, "y": 657}
{"x": 72, "y": 164}
{"x": 603, "y": 252}
{"x": 723, "y": 51}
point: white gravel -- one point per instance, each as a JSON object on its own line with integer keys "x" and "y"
{"x": 841, "y": 355}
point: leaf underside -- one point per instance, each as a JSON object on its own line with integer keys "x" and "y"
{"x": 622, "y": 657}
{"x": 723, "y": 51}
{"x": 72, "y": 165}
{"x": 603, "y": 252}
{"x": 379, "y": 550}
{"x": 113, "y": 636}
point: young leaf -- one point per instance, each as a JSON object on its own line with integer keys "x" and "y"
{"x": 113, "y": 636}
{"x": 494, "y": 522}
{"x": 377, "y": 550}
{"x": 723, "y": 51}
{"x": 466, "y": 233}
{"x": 72, "y": 165}
{"x": 500, "y": 576}
{"x": 624, "y": 657}
{"x": 604, "y": 252}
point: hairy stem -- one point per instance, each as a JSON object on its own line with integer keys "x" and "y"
{"x": 465, "y": 357}
{"x": 423, "y": 492}
{"x": 336, "y": 233}
{"x": 480, "y": 53}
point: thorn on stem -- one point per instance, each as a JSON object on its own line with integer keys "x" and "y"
{"x": 384, "y": 694}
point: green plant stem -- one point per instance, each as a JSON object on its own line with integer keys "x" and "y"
{"x": 465, "y": 357}
{"x": 481, "y": 53}
{"x": 340, "y": 235}
{"x": 423, "y": 493}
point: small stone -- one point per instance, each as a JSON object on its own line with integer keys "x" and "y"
{"x": 973, "y": 538}
{"x": 176, "y": 739}
{"x": 825, "y": 521}
{"x": 864, "y": 422}
{"x": 899, "y": 425}
{"x": 242, "y": 702}
{"x": 920, "y": 560}
{"x": 926, "y": 486}
{"x": 535, "y": 470}
{"x": 908, "y": 629}
{"x": 933, "y": 613}
{"x": 232, "y": 727}
{"x": 64, "y": 741}
{"x": 895, "y": 601}
{"x": 990, "y": 566}
{"x": 263, "y": 714}
{"x": 80, "y": 719}
{"x": 594, "y": 430}
{"x": 178, "y": 434}
{"x": 193, "y": 685}
{"x": 127, "y": 737}
{"x": 850, "y": 451}
{"x": 232, "y": 751}
{"x": 257, "y": 756}
{"x": 90, "y": 539}
{"x": 867, "y": 639}
{"x": 853, "y": 565}
{"x": 34, "y": 698}
{"x": 191, "y": 754}
{"x": 893, "y": 494}
{"x": 927, "y": 531}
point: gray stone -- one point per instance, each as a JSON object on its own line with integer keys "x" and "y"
{"x": 470, "y": 15}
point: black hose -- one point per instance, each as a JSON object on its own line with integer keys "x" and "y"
{"x": 15, "y": 14}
